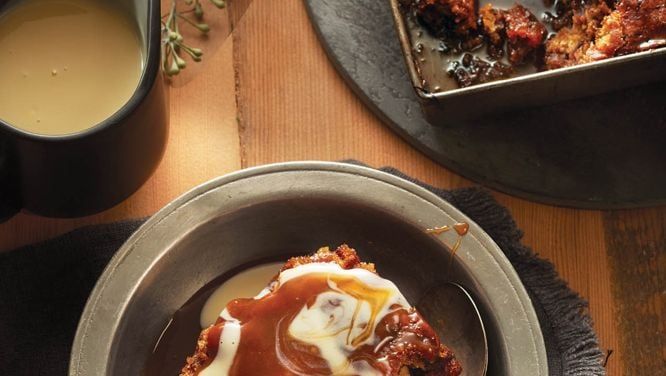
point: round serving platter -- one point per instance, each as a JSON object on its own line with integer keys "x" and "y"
{"x": 286, "y": 209}
{"x": 599, "y": 152}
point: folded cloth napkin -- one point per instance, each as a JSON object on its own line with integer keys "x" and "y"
{"x": 43, "y": 289}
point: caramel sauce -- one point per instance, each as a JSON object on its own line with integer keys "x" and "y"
{"x": 461, "y": 229}
{"x": 267, "y": 348}
{"x": 438, "y": 230}
{"x": 180, "y": 334}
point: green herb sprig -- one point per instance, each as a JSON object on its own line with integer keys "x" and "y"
{"x": 173, "y": 43}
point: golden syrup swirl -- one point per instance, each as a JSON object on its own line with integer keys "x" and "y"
{"x": 377, "y": 298}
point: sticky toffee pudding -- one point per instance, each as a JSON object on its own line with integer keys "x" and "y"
{"x": 528, "y": 37}
{"x": 324, "y": 314}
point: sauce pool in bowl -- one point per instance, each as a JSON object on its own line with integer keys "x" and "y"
{"x": 202, "y": 310}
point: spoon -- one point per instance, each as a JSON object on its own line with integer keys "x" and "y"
{"x": 454, "y": 315}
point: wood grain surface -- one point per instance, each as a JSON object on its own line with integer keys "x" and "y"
{"x": 636, "y": 241}
{"x": 269, "y": 94}
{"x": 202, "y": 144}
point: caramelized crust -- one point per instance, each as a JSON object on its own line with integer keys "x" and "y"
{"x": 448, "y": 16}
{"x": 493, "y": 27}
{"x": 195, "y": 363}
{"x": 420, "y": 356}
{"x": 607, "y": 40}
{"x": 413, "y": 345}
{"x": 571, "y": 44}
{"x": 599, "y": 33}
{"x": 343, "y": 255}
{"x": 524, "y": 34}
{"x": 638, "y": 25}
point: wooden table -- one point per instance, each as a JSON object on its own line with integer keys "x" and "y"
{"x": 269, "y": 94}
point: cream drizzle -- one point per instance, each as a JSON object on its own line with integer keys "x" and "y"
{"x": 339, "y": 321}
{"x": 229, "y": 342}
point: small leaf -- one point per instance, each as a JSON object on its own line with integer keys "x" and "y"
{"x": 203, "y": 27}
{"x": 173, "y": 42}
{"x": 173, "y": 69}
{"x": 180, "y": 62}
{"x": 192, "y": 50}
{"x": 219, "y": 3}
{"x": 195, "y": 53}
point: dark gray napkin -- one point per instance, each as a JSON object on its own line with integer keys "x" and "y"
{"x": 43, "y": 289}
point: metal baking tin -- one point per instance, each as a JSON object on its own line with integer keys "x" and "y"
{"x": 281, "y": 210}
{"x": 528, "y": 90}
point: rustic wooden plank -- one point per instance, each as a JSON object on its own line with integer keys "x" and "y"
{"x": 203, "y": 143}
{"x": 637, "y": 256}
{"x": 293, "y": 105}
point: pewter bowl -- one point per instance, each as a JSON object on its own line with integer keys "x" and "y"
{"x": 284, "y": 209}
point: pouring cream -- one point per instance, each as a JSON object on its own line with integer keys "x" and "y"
{"x": 67, "y": 65}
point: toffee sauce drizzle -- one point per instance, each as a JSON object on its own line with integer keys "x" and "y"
{"x": 180, "y": 334}
{"x": 267, "y": 348}
{"x": 461, "y": 229}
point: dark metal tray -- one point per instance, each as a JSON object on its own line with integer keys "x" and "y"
{"x": 605, "y": 151}
{"x": 528, "y": 88}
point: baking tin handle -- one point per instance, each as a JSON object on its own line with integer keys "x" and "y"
{"x": 9, "y": 197}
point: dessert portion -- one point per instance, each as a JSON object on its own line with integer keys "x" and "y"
{"x": 524, "y": 34}
{"x": 494, "y": 29}
{"x": 444, "y": 16}
{"x": 563, "y": 33}
{"x": 570, "y": 44}
{"x": 598, "y": 32}
{"x": 324, "y": 314}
